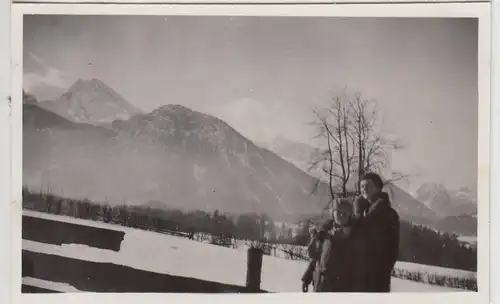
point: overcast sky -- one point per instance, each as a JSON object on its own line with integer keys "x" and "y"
{"x": 262, "y": 75}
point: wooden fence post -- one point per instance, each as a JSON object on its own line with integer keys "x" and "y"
{"x": 254, "y": 268}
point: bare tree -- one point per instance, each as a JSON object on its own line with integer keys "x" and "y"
{"x": 336, "y": 158}
{"x": 373, "y": 149}
{"x": 352, "y": 145}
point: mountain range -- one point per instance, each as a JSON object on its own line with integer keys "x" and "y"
{"x": 448, "y": 203}
{"x": 91, "y": 143}
{"x": 173, "y": 154}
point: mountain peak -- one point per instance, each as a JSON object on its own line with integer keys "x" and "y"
{"x": 171, "y": 109}
{"x": 92, "y": 84}
{"x": 445, "y": 202}
{"x": 431, "y": 186}
{"x": 91, "y": 101}
{"x": 187, "y": 116}
{"x": 79, "y": 81}
{"x": 436, "y": 197}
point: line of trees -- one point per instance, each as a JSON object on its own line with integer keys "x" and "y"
{"x": 420, "y": 244}
{"x": 252, "y": 226}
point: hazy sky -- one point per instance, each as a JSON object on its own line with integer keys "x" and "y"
{"x": 262, "y": 75}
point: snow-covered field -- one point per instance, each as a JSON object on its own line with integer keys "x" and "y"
{"x": 167, "y": 254}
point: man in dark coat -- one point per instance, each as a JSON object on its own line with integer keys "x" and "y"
{"x": 381, "y": 228}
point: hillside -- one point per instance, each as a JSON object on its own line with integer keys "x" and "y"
{"x": 54, "y": 146}
{"x": 408, "y": 207}
{"x": 219, "y": 164}
{"x": 464, "y": 225}
{"x": 299, "y": 154}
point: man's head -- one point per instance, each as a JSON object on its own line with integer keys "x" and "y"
{"x": 371, "y": 185}
{"x": 342, "y": 211}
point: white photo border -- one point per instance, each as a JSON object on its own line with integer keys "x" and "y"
{"x": 495, "y": 154}
{"x": 336, "y": 2}
{"x": 5, "y": 150}
{"x": 474, "y": 10}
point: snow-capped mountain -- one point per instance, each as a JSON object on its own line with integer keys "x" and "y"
{"x": 448, "y": 203}
{"x": 92, "y": 102}
{"x": 435, "y": 197}
{"x": 173, "y": 154}
{"x": 457, "y": 209}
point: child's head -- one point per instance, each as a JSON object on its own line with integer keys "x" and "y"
{"x": 342, "y": 211}
{"x": 323, "y": 229}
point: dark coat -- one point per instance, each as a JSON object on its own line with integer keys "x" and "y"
{"x": 341, "y": 267}
{"x": 314, "y": 251}
{"x": 381, "y": 230}
{"x": 308, "y": 276}
{"x": 360, "y": 205}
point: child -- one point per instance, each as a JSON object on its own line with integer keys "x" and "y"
{"x": 314, "y": 250}
{"x": 341, "y": 267}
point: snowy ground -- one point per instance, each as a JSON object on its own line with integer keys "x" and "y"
{"x": 59, "y": 287}
{"x": 182, "y": 257}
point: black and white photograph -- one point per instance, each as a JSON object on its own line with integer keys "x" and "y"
{"x": 176, "y": 153}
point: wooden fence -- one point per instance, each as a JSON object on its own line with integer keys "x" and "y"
{"x": 91, "y": 276}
